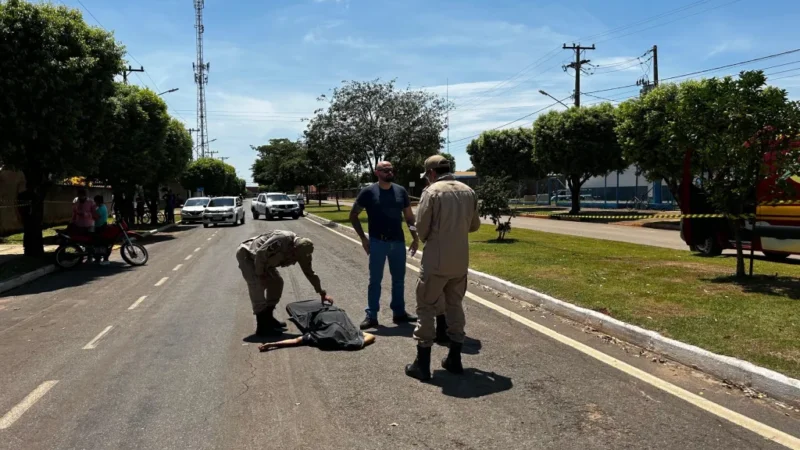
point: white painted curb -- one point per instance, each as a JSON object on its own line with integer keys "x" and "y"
{"x": 737, "y": 371}
{"x": 42, "y": 271}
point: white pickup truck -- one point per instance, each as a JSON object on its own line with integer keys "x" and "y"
{"x": 275, "y": 204}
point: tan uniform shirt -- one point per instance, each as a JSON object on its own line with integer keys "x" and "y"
{"x": 276, "y": 249}
{"x": 447, "y": 213}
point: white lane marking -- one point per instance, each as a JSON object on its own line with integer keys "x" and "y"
{"x": 197, "y": 249}
{"x": 26, "y": 403}
{"x": 177, "y": 267}
{"x": 208, "y": 239}
{"x": 161, "y": 281}
{"x": 93, "y": 343}
{"x": 136, "y": 303}
{"x": 187, "y": 258}
{"x": 741, "y": 420}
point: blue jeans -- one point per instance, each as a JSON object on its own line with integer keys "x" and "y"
{"x": 395, "y": 251}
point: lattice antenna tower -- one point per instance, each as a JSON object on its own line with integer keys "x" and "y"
{"x": 201, "y": 69}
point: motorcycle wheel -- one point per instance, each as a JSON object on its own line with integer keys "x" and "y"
{"x": 134, "y": 254}
{"x": 69, "y": 256}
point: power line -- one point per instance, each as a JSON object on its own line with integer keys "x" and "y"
{"x": 788, "y": 52}
{"x": 513, "y": 121}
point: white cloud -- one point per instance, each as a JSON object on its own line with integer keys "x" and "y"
{"x": 732, "y": 46}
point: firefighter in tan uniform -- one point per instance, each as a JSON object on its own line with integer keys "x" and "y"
{"x": 447, "y": 213}
{"x": 259, "y": 257}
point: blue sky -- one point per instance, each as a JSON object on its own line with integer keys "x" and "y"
{"x": 271, "y": 59}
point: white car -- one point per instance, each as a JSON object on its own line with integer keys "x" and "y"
{"x": 275, "y": 204}
{"x": 193, "y": 209}
{"x": 221, "y": 210}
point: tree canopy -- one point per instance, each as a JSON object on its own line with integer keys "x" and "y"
{"x": 213, "y": 175}
{"x": 283, "y": 165}
{"x": 56, "y": 79}
{"x": 366, "y": 122}
{"x": 499, "y": 153}
{"x": 578, "y": 143}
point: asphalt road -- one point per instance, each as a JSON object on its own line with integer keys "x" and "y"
{"x": 180, "y": 370}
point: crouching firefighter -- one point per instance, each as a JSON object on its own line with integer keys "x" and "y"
{"x": 259, "y": 257}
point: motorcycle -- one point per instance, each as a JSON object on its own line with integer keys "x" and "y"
{"x": 75, "y": 247}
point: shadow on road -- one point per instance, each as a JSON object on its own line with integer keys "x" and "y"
{"x": 473, "y": 383}
{"x": 62, "y": 279}
{"x": 764, "y": 284}
{"x": 401, "y": 330}
{"x": 256, "y": 339}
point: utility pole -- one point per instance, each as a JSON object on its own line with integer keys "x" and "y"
{"x": 577, "y": 66}
{"x": 223, "y": 158}
{"x": 211, "y": 154}
{"x": 646, "y": 84}
{"x": 129, "y": 69}
{"x": 201, "y": 69}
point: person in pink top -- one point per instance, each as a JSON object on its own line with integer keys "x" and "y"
{"x": 83, "y": 212}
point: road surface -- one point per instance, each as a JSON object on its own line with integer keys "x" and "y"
{"x": 162, "y": 357}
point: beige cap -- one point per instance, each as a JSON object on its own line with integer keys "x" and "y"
{"x": 436, "y": 162}
{"x": 304, "y": 246}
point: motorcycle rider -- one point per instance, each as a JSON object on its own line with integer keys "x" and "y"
{"x": 83, "y": 213}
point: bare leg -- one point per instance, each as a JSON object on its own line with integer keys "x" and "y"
{"x": 294, "y": 342}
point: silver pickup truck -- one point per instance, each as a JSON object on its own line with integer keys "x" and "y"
{"x": 275, "y": 205}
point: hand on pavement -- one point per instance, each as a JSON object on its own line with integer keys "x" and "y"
{"x": 326, "y": 298}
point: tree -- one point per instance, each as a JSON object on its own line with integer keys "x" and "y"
{"x": 168, "y": 161}
{"x": 213, "y": 175}
{"x": 654, "y": 137}
{"x": 373, "y": 121}
{"x": 283, "y": 164}
{"x": 735, "y": 124}
{"x": 499, "y": 153}
{"x": 579, "y": 143}
{"x": 57, "y": 74}
{"x": 493, "y": 194}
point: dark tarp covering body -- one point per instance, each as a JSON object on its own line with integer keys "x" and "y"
{"x": 325, "y": 326}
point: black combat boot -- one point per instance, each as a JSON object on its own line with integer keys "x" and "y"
{"x": 421, "y": 367}
{"x": 267, "y": 325}
{"x": 452, "y": 363}
{"x": 441, "y": 330}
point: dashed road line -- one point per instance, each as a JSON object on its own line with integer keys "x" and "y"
{"x": 93, "y": 343}
{"x": 17, "y": 411}
{"x": 741, "y": 420}
{"x": 137, "y": 302}
{"x": 177, "y": 267}
{"x": 161, "y": 281}
{"x": 187, "y": 258}
{"x": 197, "y": 249}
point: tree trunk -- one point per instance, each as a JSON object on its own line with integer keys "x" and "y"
{"x": 737, "y": 233}
{"x": 338, "y": 206}
{"x": 575, "y": 192}
{"x": 33, "y": 217}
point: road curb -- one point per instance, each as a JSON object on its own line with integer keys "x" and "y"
{"x": 733, "y": 370}
{"x": 25, "y": 278}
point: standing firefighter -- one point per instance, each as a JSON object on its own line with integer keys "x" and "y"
{"x": 447, "y": 213}
{"x": 259, "y": 257}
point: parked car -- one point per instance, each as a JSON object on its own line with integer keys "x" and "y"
{"x": 223, "y": 210}
{"x": 300, "y": 201}
{"x": 275, "y": 204}
{"x": 193, "y": 208}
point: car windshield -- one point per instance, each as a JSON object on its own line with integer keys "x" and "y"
{"x": 196, "y": 202}
{"x": 278, "y": 198}
{"x": 221, "y": 202}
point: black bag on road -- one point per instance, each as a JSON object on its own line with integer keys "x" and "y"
{"x": 325, "y": 326}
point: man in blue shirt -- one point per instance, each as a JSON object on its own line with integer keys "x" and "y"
{"x": 387, "y": 204}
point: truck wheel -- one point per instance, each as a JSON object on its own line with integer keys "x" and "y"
{"x": 776, "y": 256}
{"x": 709, "y": 247}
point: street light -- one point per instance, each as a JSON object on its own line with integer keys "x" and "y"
{"x": 167, "y": 92}
{"x": 548, "y": 95}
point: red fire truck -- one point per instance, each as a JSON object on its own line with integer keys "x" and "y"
{"x": 775, "y": 231}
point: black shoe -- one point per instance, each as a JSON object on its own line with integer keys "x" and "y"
{"x": 267, "y": 325}
{"x": 441, "y": 331}
{"x": 452, "y": 362}
{"x": 369, "y": 322}
{"x": 404, "y": 318}
{"x": 421, "y": 367}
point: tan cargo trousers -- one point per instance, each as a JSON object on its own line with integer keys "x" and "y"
{"x": 437, "y": 294}
{"x": 272, "y": 283}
